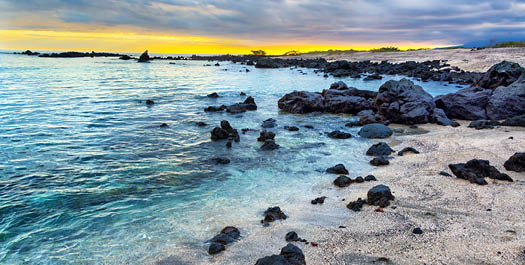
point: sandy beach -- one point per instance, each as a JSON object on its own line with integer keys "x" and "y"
{"x": 462, "y": 223}
{"x": 466, "y": 59}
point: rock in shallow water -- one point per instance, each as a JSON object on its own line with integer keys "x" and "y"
{"x": 476, "y": 170}
{"x": 266, "y": 135}
{"x": 269, "y": 145}
{"x": 273, "y": 214}
{"x": 379, "y": 149}
{"x": 226, "y": 131}
{"x": 227, "y": 236}
{"x": 337, "y": 169}
{"x": 318, "y": 200}
{"x": 375, "y": 131}
{"x": 516, "y": 163}
{"x": 339, "y": 135}
{"x": 216, "y": 248}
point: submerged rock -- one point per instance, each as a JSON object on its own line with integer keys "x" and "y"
{"x": 379, "y": 149}
{"x": 150, "y": 102}
{"x": 269, "y": 145}
{"x": 337, "y": 169}
{"x": 318, "y": 200}
{"x": 375, "y": 131}
{"x": 476, "y": 170}
{"x": 291, "y": 128}
{"x": 221, "y": 160}
{"x": 339, "y": 135}
{"x": 213, "y": 95}
{"x": 516, "y": 163}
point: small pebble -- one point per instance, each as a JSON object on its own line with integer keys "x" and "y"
{"x": 417, "y": 231}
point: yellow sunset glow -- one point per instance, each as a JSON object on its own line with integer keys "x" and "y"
{"x": 133, "y": 42}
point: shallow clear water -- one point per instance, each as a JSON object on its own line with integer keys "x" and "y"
{"x": 87, "y": 175}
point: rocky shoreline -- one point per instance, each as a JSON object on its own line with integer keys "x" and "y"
{"x": 499, "y": 94}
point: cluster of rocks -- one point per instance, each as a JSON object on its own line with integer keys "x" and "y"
{"x": 476, "y": 170}
{"x": 227, "y": 236}
{"x": 248, "y": 104}
{"x": 436, "y": 70}
{"x": 379, "y": 195}
{"x": 499, "y": 95}
{"x": 396, "y": 101}
{"x": 225, "y": 132}
{"x": 77, "y": 54}
{"x": 290, "y": 255}
{"x": 28, "y": 52}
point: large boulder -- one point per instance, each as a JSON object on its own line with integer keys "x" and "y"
{"x": 342, "y": 101}
{"x": 403, "y": 102}
{"x": 302, "y": 102}
{"x": 465, "y": 104}
{"x": 375, "y": 131}
{"x": 516, "y": 163}
{"x": 501, "y": 74}
{"x": 507, "y": 101}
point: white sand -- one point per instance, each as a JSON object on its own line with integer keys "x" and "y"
{"x": 466, "y": 59}
{"x": 452, "y": 212}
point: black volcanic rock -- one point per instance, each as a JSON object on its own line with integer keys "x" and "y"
{"x": 342, "y": 181}
{"x": 379, "y": 149}
{"x": 272, "y": 214}
{"x": 501, "y": 74}
{"x": 339, "y": 135}
{"x": 337, "y": 169}
{"x": 375, "y": 131}
{"x": 380, "y": 195}
{"x": 406, "y": 150}
{"x": 476, "y": 170}
{"x": 516, "y": 163}
{"x": 379, "y": 161}
{"x": 144, "y": 57}
{"x": 403, "y": 102}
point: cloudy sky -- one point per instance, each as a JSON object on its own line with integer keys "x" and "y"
{"x": 238, "y": 25}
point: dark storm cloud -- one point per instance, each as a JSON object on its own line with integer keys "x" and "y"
{"x": 317, "y": 21}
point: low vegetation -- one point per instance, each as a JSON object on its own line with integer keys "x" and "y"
{"x": 259, "y": 52}
{"x": 386, "y": 49}
{"x": 506, "y": 44}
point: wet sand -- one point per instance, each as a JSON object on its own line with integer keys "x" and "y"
{"x": 466, "y": 59}
{"x": 463, "y": 223}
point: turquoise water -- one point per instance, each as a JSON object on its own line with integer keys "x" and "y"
{"x": 87, "y": 176}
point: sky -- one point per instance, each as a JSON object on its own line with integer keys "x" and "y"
{"x": 238, "y": 26}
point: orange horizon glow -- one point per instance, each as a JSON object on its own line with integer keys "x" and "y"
{"x": 136, "y": 43}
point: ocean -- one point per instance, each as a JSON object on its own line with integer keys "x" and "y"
{"x": 88, "y": 176}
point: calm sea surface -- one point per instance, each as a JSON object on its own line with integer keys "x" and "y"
{"x": 88, "y": 176}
